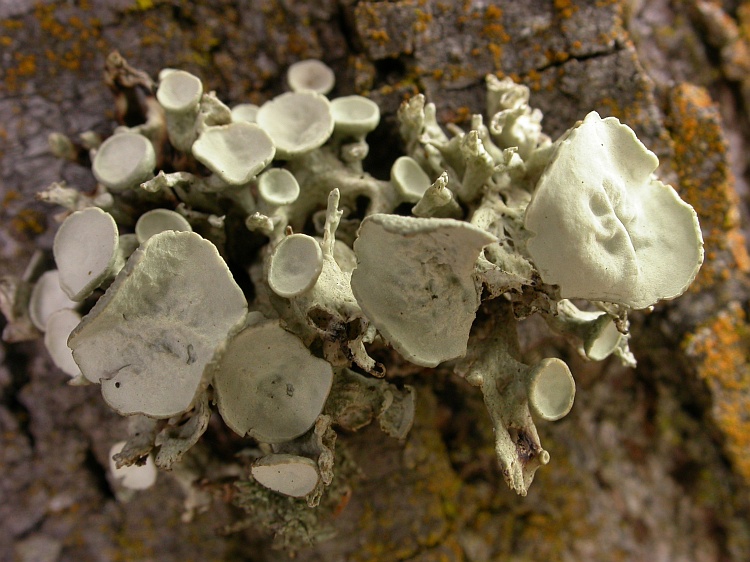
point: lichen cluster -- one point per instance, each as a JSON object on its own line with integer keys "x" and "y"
{"x": 242, "y": 260}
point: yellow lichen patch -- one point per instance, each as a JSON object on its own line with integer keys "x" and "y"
{"x": 706, "y": 182}
{"x": 28, "y": 223}
{"x": 497, "y": 55}
{"x": 493, "y": 12}
{"x": 9, "y": 198}
{"x": 457, "y": 115}
{"x": 388, "y": 29}
{"x": 378, "y": 35}
{"x": 533, "y": 80}
{"x": 743, "y": 21}
{"x": 565, "y": 8}
{"x": 67, "y": 39}
{"x": 495, "y": 32}
{"x": 424, "y": 19}
{"x": 722, "y": 348}
{"x": 556, "y": 57}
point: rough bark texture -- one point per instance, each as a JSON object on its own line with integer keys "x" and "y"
{"x": 652, "y": 464}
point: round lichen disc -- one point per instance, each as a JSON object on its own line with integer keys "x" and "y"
{"x": 268, "y": 385}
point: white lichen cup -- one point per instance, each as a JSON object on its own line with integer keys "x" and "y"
{"x": 410, "y": 179}
{"x": 236, "y": 152}
{"x": 290, "y": 475}
{"x": 124, "y": 161}
{"x": 603, "y": 228}
{"x": 180, "y": 93}
{"x": 310, "y": 75}
{"x": 247, "y": 112}
{"x": 47, "y": 297}
{"x": 150, "y": 336}
{"x": 133, "y": 477}
{"x": 354, "y": 116}
{"x": 59, "y": 327}
{"x": 551, "y": 389}
{"x": 295, "y": 265}
{"x": 267, "y": 384}
{"x": 277, "y": 187}
{"x": 160, "y": 220}
{"x": 85, "y": 250}
{"x": 297, "y": 122}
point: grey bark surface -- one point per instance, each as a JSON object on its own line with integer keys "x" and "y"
{"x": 642, "y": 469}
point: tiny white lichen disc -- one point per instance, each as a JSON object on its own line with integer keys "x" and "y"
{"x": 236, "y": 152}
{"x": 85, "y": 249}
{"x": 311, "y": 75}
{"x": 605, "y": 342}
{"x": 551, "y": 389}
{"x": 410, "y": 179}
{"x": 47, "y": 297}
{"x": 159, "y": 220}
{"x": 59, "y": 327}
{"x": 179, "y": 91}
{"x": 124, "y": 160}
{"x": 355, "y": 115}
{"x": 295, "y": 265}
{"x": 278, "y": 187}
{"x": 298, "y": 122}
{"x": 290, "y": 475}
{"x": 245, "y": 112}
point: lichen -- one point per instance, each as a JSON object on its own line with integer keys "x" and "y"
{"x": 707, "y": 183}
{"x": 171, "y": 338}
{"x": 721, "y": 346}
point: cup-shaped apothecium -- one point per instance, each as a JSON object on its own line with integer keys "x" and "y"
{"x": 603, "y": 340}
{"x": 297, "y": 122}
{"x": 236, "y": 153}
{"x": 123, "y": 161}
{"x": 551, "y": 389}
{"x": 596, "y": 330}
{"x": 159, "y": 220}
{"x": 85, "y": 250}
{"x": 59, "y": 327}
{"x": 180, "y": 93}
{"x": 268, "y": 384}
{"x": 354, "y": 115}
{"x": 278, "y": 187}
{"x": 410, "y": 179}
{"x": 295, "y": 265}
{"x": 47, "y": 297}
{"x": 310, "y": 75}
{"x": 290, "y": 475}
{"x": 247, "y": 112}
